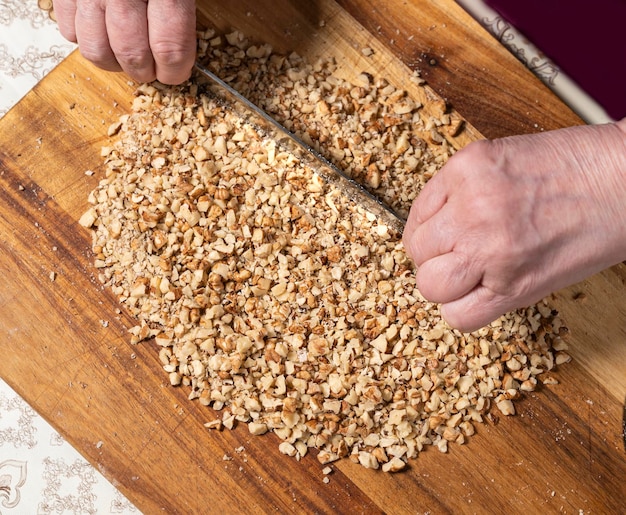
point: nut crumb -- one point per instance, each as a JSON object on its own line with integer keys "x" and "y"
{"x": 214, "y": 424}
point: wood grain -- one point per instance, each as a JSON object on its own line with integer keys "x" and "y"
{"x": 470, "y": 71}
{"x": 319, "y": 29}
{"x": 65, "y": 346}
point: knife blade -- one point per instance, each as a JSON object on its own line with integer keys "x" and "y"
{"x": 290, "y": 142}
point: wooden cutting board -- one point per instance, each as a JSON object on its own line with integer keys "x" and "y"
{"x": 65, "y": 346}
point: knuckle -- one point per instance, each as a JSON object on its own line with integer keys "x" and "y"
{"x": 133, "y": 58}
{"x": 91, "y": 53}
{"x": 524, "y": 288}
{"x": 478, "y": 157}
{"x": 98, "y": 56}
{"x": 171, "y": 54}
{"x": 479, "y": 148}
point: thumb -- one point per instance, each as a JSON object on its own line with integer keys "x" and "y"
{"x": 476, "y": 309}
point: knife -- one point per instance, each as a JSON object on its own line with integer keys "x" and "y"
{"x": 330, "y": 173}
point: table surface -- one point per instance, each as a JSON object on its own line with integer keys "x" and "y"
{"x": 453, "y": 68}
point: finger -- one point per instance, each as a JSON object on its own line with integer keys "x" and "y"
{"x": 428, "y": 203}
{"x": 65, "y": 11}
{"x": 434, "y": 237}
{"x": 448, "y": 277}
{"x": 477, "y": 309}
{"x": 127, "y": 27}
{"x": 430, "y": 200}
{"x": 172, "y": 33}
{"x": 92, "y": 37}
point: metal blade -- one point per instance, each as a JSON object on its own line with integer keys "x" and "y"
{"x": 308, "y": 155}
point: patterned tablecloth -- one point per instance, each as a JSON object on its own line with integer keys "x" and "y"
{"x": 40, "y": 473}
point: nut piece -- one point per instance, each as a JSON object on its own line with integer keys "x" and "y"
{"x": 257, "y": 428}
{"x": 394, "y": 465}
{"x": 287, "y": 448}
{"x": 506, "y": 407}
{"x": 88, "y": 218}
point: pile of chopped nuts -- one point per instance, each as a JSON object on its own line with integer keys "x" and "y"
{"x": 272, "y": 297}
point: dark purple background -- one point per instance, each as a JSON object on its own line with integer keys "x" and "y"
{"x": 585, "y": 38}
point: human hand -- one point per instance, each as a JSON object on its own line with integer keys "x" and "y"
{"x": 506, "y": 222}
{"x": 148, "y": 39}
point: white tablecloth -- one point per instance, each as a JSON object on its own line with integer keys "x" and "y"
{"x": 40, "y": 473}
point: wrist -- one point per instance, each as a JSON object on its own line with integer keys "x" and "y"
{"x": 606, "y": 162}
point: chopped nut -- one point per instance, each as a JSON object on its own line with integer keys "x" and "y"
{"x": 257, "y": 428}
{"x": 394, "y": 465}
{"x": 88, "y": 218}
{"x": 562, "y": 357}
{"x": 272, "y": 297}
{"x": 455, "y": 126}
{"x": 214, "y": 424}
{"x": 114, "y": 128}
{"x": 325, "y": 457}
{"x": 506, "y": 407}
{"x": 287, "y": 448}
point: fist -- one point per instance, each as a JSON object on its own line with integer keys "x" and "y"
{"x": 147, "y": 39}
